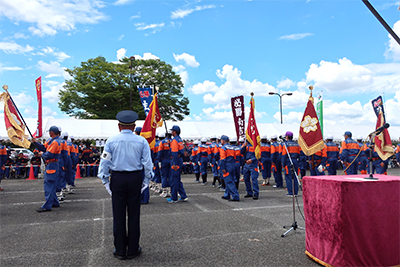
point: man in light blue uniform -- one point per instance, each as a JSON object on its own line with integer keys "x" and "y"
{"x": 126, "y": 156}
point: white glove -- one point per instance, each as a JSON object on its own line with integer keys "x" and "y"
{"x": 159, "y": 165}
{"x": 144, "y": 186}
{"x": 320, "y": 168}
{"x": 107, "y": 186}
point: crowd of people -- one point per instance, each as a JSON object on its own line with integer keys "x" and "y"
{"x": 230, "y": 160}
{"x": 201, "y": 158}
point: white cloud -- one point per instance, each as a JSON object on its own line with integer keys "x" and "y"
{"x": 204, "y": 87}
{"x": 285, "y": 83}
{"x": 181, "y": 13}
{"x": 181, "y": 70}
{"x": 146, "y": 56}
{"x": 340, "y": 76}
{"x": 22, "y": 99}
{"x": 208, "y": 110}
{"x": 392, "y": 107}
{"x": 121, "y": 53}
{"x": 48, "y": 112}
{"x": 14, "y": 48}
{"x": 134, "y": 17}
{"x": 188, "y": 59}
{"x": 234, "y": 85}
{"x": 4, "y": 68}
{"x": 296, "y": 36}
{"x": 61, "y": 56}
{"x": 292, "y": 117}
{"x": 48, "y": 17}
{"x": 19, "y": 35}
{"x": 352, "y": 78}
{"x": 52, "y": 95}
{"x": 184, "y": 77}
{"x": 122, "y": 2}
{"x": 54, "y": 68}
{"x": 142, "y": 26}
{"x": 393, "y": 48}
{"x": 121, "y": 37}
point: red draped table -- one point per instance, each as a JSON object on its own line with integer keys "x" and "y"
{"x": 351, "y": 221}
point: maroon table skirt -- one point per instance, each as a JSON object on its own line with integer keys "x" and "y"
{"x": 351, "y": 221}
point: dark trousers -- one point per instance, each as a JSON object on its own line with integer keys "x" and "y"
{"x": 125, "y": 187}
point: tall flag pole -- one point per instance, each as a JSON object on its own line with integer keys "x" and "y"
{"x": 320, "y": 112}
{"x": 38, "y": 85}
{"x": 310, "y": 136}
{"x": 383, "y": 144}
{"x": 152, "y": 122}
{"x": 237, "y": 103}
{"x": 15, "y": 123}
{"x": 252, "y": 135}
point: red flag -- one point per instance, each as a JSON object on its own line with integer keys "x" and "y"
{"x": 252, "y": 135}
{"x": 14, "y": 125}
{"x": 310, "y": 137}
{"x": 383, "y": 144}
{"x": 153, "y": 120}
{"x": 38, "y": 83}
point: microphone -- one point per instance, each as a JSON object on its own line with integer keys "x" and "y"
{"x": 282, "y": 137}
{"x": 380, "y": 129}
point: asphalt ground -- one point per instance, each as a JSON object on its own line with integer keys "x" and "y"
{"x": 204, "y": 231}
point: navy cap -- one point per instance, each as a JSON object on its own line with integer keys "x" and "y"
{"x": 138, "y": 130}
{"x": 176, "y": 128}
{"x": 348, "y": 133}
{"x": 127, "y": 117}
{"x": 54, "y": 129}
{"x": 225, "y": 138}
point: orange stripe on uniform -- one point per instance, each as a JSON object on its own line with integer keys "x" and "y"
{"x": 174, "y": 146}
{"x": 54, "y": 148}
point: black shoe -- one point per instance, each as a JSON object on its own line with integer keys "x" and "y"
{"x": 118, "y": 256}
{"x": 139, "y": 251}
{"x": 42, "y": 210}
{"x": 247, "y": 196}
{"x": 255, "y": 197}
{"x": 227, "y": 198}
{"x": 235, "y": 200}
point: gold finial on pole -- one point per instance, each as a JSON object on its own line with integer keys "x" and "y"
{"x": 311, "y": 97}
{"x": 5, "y": 87}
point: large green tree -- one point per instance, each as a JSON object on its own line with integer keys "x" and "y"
{"x": 100, "y": 89}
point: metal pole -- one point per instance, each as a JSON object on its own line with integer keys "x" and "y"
{"x": 280, "y": 98}
{"x": 382, "y": 21}
{"x": 130, "y": 80}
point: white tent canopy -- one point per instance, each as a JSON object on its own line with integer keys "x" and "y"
{"x": 190, "y": 130}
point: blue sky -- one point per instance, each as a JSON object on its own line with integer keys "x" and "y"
{"x": 220, "y": 49}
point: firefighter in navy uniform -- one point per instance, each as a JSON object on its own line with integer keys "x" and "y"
{"x": 126, "y": 159}
{"x": 276, "y": 162}
{"x": 265, "y": 160}
{"x": 176, "y": 167}
{"x": 348, "y": 153}
{"x": 332, "y": 153}
{"x": 292, "y": 149}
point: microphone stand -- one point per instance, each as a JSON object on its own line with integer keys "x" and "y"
{"x": 294, "y": 225}
{"x": 370, "y": 169}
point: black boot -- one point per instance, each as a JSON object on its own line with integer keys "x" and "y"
{"x": 204, "y": 177}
